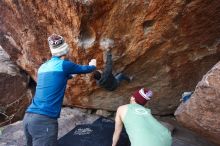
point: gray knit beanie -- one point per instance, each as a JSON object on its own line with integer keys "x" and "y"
{"x": 58, "y": 46}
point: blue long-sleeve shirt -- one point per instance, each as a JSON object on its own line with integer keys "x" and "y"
{"x": 51, "y": 85}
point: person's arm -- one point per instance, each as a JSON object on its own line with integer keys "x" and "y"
{"x": 118, "y": 127}
{"x": 108, "y": 66}
{"x": 72, "y": 68}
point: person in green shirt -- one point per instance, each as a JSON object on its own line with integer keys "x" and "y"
{"x": 142, "y": 128}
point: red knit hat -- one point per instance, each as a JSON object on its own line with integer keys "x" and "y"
{"x": 142, "y": 95}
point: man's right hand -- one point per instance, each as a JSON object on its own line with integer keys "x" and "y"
{"x": 92, "y": 62}
{"x": 73, "y": 75}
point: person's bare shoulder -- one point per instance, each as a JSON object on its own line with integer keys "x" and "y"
{"x": 122, "y": 107}
{"x": 122, "y": 111}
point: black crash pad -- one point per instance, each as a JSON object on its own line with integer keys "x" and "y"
{"x": 97, "y": 134}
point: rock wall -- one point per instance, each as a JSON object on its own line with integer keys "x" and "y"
{"x": 202, "y": 111}
{"x": 14, "y": 92}
{"x": 167, "y": 45}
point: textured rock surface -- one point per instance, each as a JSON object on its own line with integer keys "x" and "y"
{"x": 184, "y": 137}
{"x": 166, "y": 45}
{"x": 202, "y": 111}
{"x": 14, "y": 92}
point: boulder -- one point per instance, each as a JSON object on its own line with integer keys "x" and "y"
{"x": 202, "y": 111}
{"x": 14, "y": 92}
{"x": 104, "y": 113}
{"x": 167, "y": 45}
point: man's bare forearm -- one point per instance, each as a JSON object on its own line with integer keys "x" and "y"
{"x": 118, "y": 128}
{"x": 115, "y": 138}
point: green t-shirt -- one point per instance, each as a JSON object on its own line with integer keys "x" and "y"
{"x": 143, "y": 129}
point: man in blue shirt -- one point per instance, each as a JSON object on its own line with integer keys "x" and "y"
{"x": 40, "y": 121}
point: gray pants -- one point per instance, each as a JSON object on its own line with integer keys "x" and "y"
{"x": 40, "y": 130}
